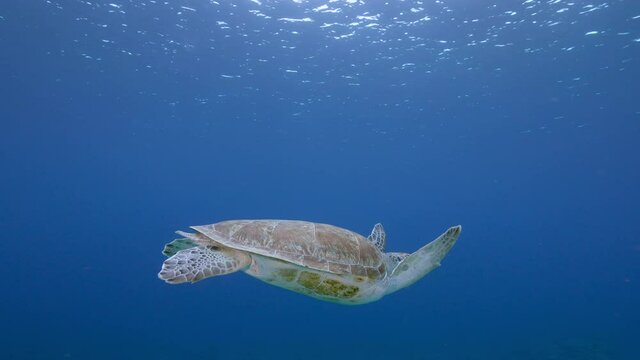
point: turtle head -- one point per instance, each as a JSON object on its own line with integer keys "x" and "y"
{"x": 406, "y": 269}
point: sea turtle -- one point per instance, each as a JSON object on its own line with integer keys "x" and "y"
{"x": 319, "y": 260}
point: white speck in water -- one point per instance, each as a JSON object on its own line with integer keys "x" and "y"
{"x": 296, "y": 20}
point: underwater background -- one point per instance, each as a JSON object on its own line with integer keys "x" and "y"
{"x": 122, "y": 121}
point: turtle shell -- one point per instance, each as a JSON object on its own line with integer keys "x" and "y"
{"x": 317, "y": 246}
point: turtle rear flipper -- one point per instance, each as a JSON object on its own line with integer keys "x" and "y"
{"x": 197, "y": 263}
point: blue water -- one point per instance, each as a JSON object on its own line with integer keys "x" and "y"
{"x": 122, "y": 121}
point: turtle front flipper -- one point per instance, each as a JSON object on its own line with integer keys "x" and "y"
{"x": 423, "y": 261}
{"x": 197, "y": 263}
{"x": 378, "y": 237}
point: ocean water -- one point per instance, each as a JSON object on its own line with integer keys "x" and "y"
{"x": 122, "y": 121}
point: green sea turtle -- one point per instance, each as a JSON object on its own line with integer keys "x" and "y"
{"x": 319, "y": 260}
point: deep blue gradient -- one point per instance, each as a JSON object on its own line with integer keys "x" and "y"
{"x": 122, "y": 121}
